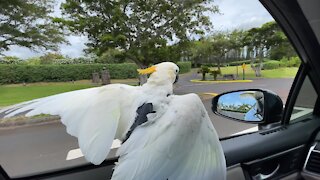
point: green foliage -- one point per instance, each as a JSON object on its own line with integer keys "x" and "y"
{"x": 272, "y": 64}
{"x": 59, "y": 59}
{"x": 212, "y": 49}
{"x": 201, "y": 51}
{"x": 83, "y": 60}
{"x": 279, "y": 51}
{"x": 204, "y": 70}
{"x": 47, "y": 73}
{"x": 11, "y": 60}
{"x": 50, "y": 58}
{"x": 33, "y": 61}
{"x": 292, "y": 62}
{"x": 239, "y": 63}
{"x": 27, "y": 23}
{"x": 11, "y": 73}
{"x": 260, "y": 39}
{"x": 111, "y": 56}
{"x": 184, "y": 66}
{"x": 140, "y": 29}
{"x": 215, "y": 73}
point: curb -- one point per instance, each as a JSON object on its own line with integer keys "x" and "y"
{"x": 211, "y": 94}
{"x": 29, "y": 122}
{"x": 227, "y": 81}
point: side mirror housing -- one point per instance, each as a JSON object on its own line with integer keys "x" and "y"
{"x": 251, "y": 106}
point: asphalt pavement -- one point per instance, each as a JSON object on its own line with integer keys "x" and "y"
{"x": 44, "y": 148}
{"x": 226, "y": 127}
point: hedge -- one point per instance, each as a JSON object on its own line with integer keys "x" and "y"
{"x": 184, "y": 66}
{"x": 293, "y": 62}
{"x": 46, "y": 73}
{"x": 272, "y": 64}
{"x": 13, "y": 73}
{"x": 239, "y": 63}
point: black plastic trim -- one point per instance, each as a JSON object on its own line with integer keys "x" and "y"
{"x": 253, "y": 146}
{"x": 77, "y": 169}
{"x": 293, "y": 94}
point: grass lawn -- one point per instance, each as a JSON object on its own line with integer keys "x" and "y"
{"x": 272, "y": 73}
{"x": 15, "y": 93}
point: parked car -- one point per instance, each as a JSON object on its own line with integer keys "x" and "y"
{"x": 287, "y": 144}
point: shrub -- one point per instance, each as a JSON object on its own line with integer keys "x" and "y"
{"x": 11, "y": 60}
{"x": 184, "y": 66}
{"x": 272, "y": 64}
{"x": 292, "y": 62}
{"x": 33, "y": 61}
{"x": 45, "y": 73}
{"x": 239, "y": 63}
{"x": 215, "y": 73}
{"x": 204, "y": 70}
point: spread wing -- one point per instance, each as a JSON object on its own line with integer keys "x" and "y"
{"x": 182, "y": 144}
{"x": 92, "y": 115}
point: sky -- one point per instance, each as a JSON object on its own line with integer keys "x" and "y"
{"x": 235, "y": 14}
{"x": 236, "y": 99}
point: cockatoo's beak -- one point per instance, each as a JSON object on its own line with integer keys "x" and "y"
{"x": 176, "y": 80}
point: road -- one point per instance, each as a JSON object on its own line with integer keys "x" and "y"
{"x": 226, "y": 127}
{"x": 44, "y": 148}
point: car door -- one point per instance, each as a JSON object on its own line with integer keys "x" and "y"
{"x": 288, "y": 150}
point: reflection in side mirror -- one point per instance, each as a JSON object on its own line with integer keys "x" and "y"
{"x": 242, "y": 105}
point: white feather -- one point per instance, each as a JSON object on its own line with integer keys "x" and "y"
{"x": 93, "y": 115}
{"x": 177, "y": 142}
{"x": 181, "y": 144}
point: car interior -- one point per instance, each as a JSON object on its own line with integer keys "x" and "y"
{"x": 285, "y": 148}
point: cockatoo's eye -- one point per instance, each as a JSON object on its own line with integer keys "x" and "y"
{"x": 177, "y": 71}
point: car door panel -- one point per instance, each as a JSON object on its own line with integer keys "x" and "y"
{"x": 235, "y": 172}
{"x": 266, "y": 143}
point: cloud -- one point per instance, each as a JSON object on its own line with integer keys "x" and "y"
{"x": 74, "y": 49}
{"x": 242, "y": 14}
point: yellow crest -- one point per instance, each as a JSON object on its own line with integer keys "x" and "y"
{"x": 149, "y": 70}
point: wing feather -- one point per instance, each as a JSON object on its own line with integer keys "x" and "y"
{"x": 92, "y": 115}
{"x": 182, "y": 144}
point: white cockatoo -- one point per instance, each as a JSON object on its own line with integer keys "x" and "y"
{"x": 164, "y": 136}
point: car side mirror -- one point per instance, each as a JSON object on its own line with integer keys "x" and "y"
{"x": 251, "y": 106}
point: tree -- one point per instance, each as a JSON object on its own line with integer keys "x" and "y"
{"x": 11, "y": 60}
{"x": 260, "y": 40}
{"x": 141, "y": 29}
{"x": 284, "y": 49}
{"x": 236, "y": 38}
{"x": 220, "y": 44}
{"x": 111, "y": 56}
{"x": 50, "y": 58}
{"x": 33, "y": 61}
{"x": 27, "y": 23}
{"x": 201, "y": 52}
{"x": 204, "y": 70}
